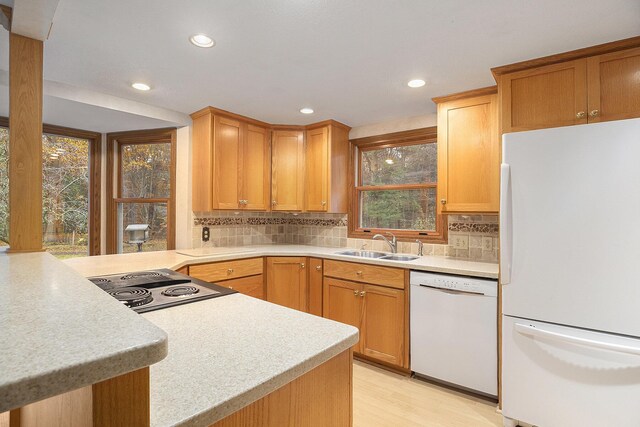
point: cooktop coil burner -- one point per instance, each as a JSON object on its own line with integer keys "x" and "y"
{"x": 180, "y": 291}
{"x": 132, "y": 297}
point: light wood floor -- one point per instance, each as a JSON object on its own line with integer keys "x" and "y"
{"x": 385, "y": 399}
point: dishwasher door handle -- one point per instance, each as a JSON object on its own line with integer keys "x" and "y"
{"x": 453, "y": 291}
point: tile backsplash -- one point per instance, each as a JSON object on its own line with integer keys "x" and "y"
{"x": 472, "y": 237}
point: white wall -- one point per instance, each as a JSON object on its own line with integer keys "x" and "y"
{"x": 397, "y": 125}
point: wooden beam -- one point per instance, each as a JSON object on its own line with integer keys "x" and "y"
{"x": 25, "y": 143}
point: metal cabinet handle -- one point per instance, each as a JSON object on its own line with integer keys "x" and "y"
{"x": 443, "y": 201}
{"x": 323, "y": 203}
{"x": 229, "y": 270}
{"x": 273, "y": 203}
{"x": 359, "y": 273}
{"x": 362, "y": 293}
{"x": 230, "y": 287}
{"x": 302, "y": 265}
{"x": 318, "y": 267}
{"x": 581, "y": 115}
{"x": 355, "y": 293}
{"x": 594, "y": 113}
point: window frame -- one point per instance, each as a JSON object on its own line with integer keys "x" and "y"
{"x": 95, "y": 175}
{"x": 390, "y": 140}
{"x": 115, "y": 141}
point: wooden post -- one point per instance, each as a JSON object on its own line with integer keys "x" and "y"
{"x": 25, "y": 144}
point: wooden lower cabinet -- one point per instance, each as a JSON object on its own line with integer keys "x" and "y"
{"x": 315, "y": 286}
{"x": 252, "y": 286}
{"x": 321, "y": 397}
{"x": 378, "y": 312}
{"x": 287, "y": 282}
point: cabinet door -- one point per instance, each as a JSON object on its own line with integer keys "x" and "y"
{"x": 544, "y": 97}
{"x": 315, "y": 286}
{"x": 614, "y": 86}
{"x": 287, "y": 282}
{"x": 343, "y": 303}
{"x": 252, "y": 286}
{"x": 469, "y": 155}
{"x": 383, "y": 325}
{"x": 287, "y": 165}
{"x": 227, "y": 144}
{"x": 255, "y": 172}
{"x": 317, "y": 167}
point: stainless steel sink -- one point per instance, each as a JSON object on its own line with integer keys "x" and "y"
{"x": 363, "y": 254}
{"x": 399, "y": 257}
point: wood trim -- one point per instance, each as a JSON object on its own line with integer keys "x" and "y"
{"x": 490, "y": 90}
{"x": 329, "y": 122}
{"x": 115, "y": 140}
{"x": 228, "y": 114}
{"x": 567, "y": 56}
{"x": 410, "y": 137}
{"x": 288, "y": 127}
{"x": 25, "y": 143}
{"x": 122, "y": 401}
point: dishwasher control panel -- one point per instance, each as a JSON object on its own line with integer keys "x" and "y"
{"x": 474, "y": 285}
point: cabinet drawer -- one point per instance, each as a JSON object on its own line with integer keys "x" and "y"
{"x": 226, "y": 270}
{"x": 384, "y": 276}
{"x": 252, "y": 285}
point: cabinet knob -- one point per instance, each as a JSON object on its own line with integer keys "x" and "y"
{"x": 230, "y": 287}
{"x": 359, "y": 273}
{"x": 594, "y": 113}
{"x": 362, "y": 293}
{"x": 273, "y": 203}
{"x": 355, "y": 293}
{"x": 302, "y": 265}
{"x": 229, "y": 270}
{"x": 581, "y": 115}
{"x": 443, "y": 201}
{"x": 323, "y": 203}
{"x": 318, "y": 267}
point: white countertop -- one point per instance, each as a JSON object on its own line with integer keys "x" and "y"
{"x": 171, "y": 259}
{"x": 57, "y": 331}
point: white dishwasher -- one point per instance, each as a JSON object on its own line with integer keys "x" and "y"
{"x": 454, "y": 330}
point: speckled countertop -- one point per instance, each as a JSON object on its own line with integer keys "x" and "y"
{"x": 172, "y": 259}
{"x": 57, "y": 331}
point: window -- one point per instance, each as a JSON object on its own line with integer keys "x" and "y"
{"x": 142, "y": 165}
{"x": 70, "y": 190}
{"x": 396, "y": 186}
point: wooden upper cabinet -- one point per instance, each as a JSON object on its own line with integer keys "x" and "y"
{"x": 287, "y": 170}
{"x": 231, "y": 157}
{"x": 287, "y": 282}
{"x": 543, "y": 97}
{"x": 469, "y": 152}
{"x": 326, "y": 164}
{"x": 614, "y": 86}
{"x": 593, "y": 84}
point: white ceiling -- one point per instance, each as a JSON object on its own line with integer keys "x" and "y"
{"x": 349, "y": 60}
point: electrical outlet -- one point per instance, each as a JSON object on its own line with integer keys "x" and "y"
{"x": 461, "y": 242}
{"x": 205, "y": 234}
{"x": 487, "y": 243}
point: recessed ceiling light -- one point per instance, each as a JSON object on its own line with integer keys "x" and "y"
{"x": 306, "y": 110}
{"x": 416, "y": 83}
{"x": 202, "y": 40}
{"x": 141, "y": 86}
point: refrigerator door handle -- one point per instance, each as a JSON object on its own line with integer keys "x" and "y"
{"x": 506, "y": 225}
{"x": 542, "y": 333}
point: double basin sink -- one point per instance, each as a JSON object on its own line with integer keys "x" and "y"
{"x": 378, "y": 255}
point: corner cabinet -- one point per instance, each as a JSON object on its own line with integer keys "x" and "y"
{"x": 586, "y": 89}
{"x": 231, "y": 162}
{"x": 468, "y": 152}
{"x": 380, "y": 312}
{"x": 326, "y": 164}
{"x": 287, "y": 170}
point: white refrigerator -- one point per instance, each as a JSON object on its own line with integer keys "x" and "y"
{"x": 570, "y": 275}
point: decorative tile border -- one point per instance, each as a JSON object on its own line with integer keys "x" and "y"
{"x": 471, "y": 227}
{"x": 241, "y": 220}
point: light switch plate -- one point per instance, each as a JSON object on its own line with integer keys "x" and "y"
{"x": 461, "y": 242}
{"x": 487, "y": 243}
